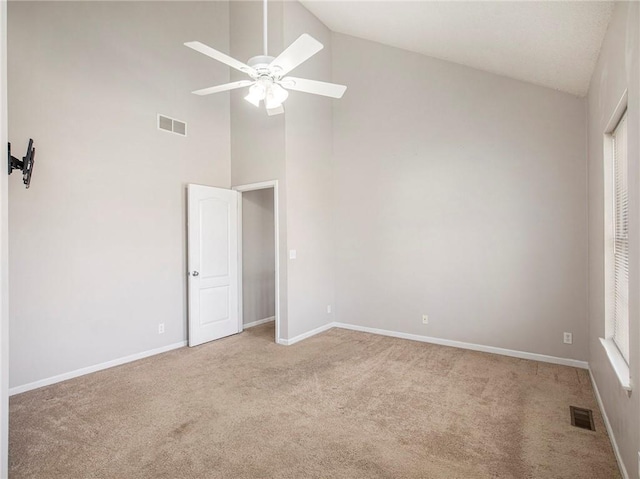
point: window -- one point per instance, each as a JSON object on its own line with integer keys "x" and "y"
{"x": 617, "y": 327}
{"x": 616, "y": 246}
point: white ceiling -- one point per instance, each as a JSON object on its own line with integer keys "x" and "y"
{"x": 554, "y": 44}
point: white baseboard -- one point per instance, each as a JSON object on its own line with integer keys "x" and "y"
{"x": 607, "y": 424}
{"x": 308, "y": 334}
{"x": 288, "y": 342}
{"x": 92, "y": 369}
{"x": 474, "y": 347}
{"x": 443, "y": 342}
{"x": 258, "y": 322}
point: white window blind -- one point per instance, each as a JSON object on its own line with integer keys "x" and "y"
{"x": 621, "y": 239}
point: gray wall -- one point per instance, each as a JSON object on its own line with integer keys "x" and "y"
{"x": 4, "y": 261}
{"x": 295, "y": 149}
{"x": 310, "y": 209}
{"x": 616, "y": 71}
{"x": 461, "y": 195}
{"x": 98, "y": 241}
{"x": 257, "y": 140}
{"x": 258, "y": 256}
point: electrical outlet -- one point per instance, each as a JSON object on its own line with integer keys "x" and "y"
{"x": 328, "y": 309}
{"x": 293, "y": 254}
{"x": 425, "y": 319}
{"x": 568, "y": 338}
{"x": 161, "y": 328}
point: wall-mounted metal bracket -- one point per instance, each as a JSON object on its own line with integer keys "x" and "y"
{"x": 25, "y": 165}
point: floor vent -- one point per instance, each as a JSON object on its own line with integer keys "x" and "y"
{"x": 582, "y": 418}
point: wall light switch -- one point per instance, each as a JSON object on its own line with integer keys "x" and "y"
{"x": 292, "y": 254}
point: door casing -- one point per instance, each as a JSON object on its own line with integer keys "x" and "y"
{"x": 252, "y": 187}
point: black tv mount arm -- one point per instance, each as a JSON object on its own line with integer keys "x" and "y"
{"x": 25, "y": 165}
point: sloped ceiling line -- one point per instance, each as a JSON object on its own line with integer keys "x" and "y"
{"x": 552, "y": 44}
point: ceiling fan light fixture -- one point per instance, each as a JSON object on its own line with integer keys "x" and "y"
{"x": 257, "y": 92}
{"x": 276, "y": 95}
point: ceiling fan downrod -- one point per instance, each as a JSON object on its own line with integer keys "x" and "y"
{"x": 265, "y": 37}
{"x": 261, "y": 62}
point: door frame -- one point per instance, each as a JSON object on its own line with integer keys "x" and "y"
{"x": 263, "y": 185}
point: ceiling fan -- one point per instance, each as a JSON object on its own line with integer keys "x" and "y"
{"x": 268, "y": 82}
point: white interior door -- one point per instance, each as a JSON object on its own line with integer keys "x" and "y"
{"x": 213, "y": 263}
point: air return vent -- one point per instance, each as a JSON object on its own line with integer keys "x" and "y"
{"x": 582, "y": 418}
{"x": 172, "y": 125}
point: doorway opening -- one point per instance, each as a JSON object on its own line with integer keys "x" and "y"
{"x": 258, "y": 256}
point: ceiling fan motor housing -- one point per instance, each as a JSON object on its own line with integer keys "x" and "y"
{"x": 261, "y": 64}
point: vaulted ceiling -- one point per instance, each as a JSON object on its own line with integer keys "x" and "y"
{"x": 549, "y": 43}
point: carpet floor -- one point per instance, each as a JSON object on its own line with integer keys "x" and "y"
{"x": 342, "y": 404}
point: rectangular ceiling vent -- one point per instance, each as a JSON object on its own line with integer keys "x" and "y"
{"x": 172, "y": 125}
{"x": 582, "y": 418}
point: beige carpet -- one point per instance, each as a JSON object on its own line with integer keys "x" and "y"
{"x": 342, "y": 404}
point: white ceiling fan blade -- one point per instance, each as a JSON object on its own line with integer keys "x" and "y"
{"x": 299, "y": 51}
{"x": 221, "y": 57}
{"x": 275, "y": 111}
{"x": 332, "y": 90}
{"x": 225, "y": 87}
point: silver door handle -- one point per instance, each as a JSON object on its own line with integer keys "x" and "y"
{"x": 195, "y": 273}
